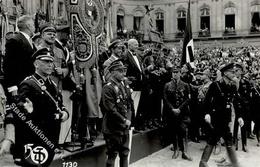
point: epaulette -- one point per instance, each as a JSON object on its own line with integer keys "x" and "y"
{"x": 115, "y": 87}
{"x": 28, "y": 78}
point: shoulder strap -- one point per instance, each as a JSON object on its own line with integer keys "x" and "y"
{"x": 222, "y": 94}
{"x": 43, "y": 88}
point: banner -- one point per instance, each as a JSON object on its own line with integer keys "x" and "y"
{"x": 86, "y": 22}
{"x": 188, "y": 47}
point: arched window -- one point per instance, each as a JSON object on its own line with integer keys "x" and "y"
{"x": 138, "y": 20}
{"x": 120, "y": 19}
{"x": 181, "y": 19}
{"x": 255, "y": 16}
{"x": 205, "y": 17}
{"x": 159, "y": 22}
{"x": 230, "y": 13}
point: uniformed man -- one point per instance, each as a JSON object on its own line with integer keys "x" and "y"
{"x": 255, "y": 107}
{"x": 117, "y": 107}
{"x": 177, "y": 97}
{"x": 222, "y": 95}
{"x": 37, "y": 126}
{"x": 245, "y": 91}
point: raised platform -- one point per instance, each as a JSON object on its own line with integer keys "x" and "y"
{"x": 143, "y": 144}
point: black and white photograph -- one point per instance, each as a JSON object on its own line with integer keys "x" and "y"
{"x": 129, "y": 83}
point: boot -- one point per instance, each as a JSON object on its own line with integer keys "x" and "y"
{"x": 244, "y": 148}
{"x": 205, "y": 156}
{"x": 175, "y": 154}
{"x": 232, "y": 156}
{"x": 185, "y": 150}
{"x": 186, "y": 156}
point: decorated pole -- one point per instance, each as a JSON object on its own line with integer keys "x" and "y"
{"x": 86, "y": 19}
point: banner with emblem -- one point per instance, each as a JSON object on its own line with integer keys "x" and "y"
{"x": 86, "y": 22}
{"x": 86, "y": 19}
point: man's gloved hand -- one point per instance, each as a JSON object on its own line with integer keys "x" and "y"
{"x": 240, "y": 122}
{"x": 176, "y": 111}
{"x": 127, "y": 122}
{"x": 64, "y": 115}
{"x": 207, "y": 118}
{"x": 28, "y": 105}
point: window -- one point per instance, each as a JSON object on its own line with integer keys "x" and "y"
{"x": 230, "y": 21}
{"x": 120, "y": 20}
{"x": 181, "y": 20}
{"x": 137, "y": 23}
{"x": 160, "y": 22}
{"x": 204, "y": 19}
{"x": 255, "y": 17}
{"x": 230, "y": 13}
{"x": 138, "y": 20}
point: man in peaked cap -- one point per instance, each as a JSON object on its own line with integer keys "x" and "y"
{"x": 47, "y": 27}
{"x": 42, "y": 119}
{"x": 220, "y": 98}
{"x": 117, "y": 107}
{"x": 43, "y": 54}
{"x": 116, "y": 48}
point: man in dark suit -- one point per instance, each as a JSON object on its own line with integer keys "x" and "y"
{"x": 135, "y": 75}
{"x": 19, "y": 49}
{"x": 134, "y": 65}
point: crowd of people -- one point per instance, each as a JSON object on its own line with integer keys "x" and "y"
{"x": 144, "y": 87}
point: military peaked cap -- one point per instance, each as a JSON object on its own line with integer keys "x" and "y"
{"x": 43, "y": 54}
{"x": 114, "y": 44}
{"x": 47, "y": 27}
{"x": 227, "y": 67}
{"x": 116, "y": 65}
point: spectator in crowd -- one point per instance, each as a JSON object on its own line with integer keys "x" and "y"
{"x": 40, "y": 125}
{"x": 221, "y": 97}
{"x": 177, "y": 97}
{"x": 117, "y": 107}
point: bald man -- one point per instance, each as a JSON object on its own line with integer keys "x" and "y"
{"x": 134, "y": 72}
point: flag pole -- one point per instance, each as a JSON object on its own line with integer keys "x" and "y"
{"x": 188, "y": 46}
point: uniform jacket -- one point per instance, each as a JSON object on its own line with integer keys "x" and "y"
{"x": 177, "y": 95}
{"x": 43, "y": 115}
{"x": 219, "y": 100}
{"x": 17, "y": 60}
{"x": 117, "y": 106}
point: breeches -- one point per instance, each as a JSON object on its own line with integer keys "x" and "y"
{"x": 220, "y": 131}
{"x": 117, "y": 144}
{"x": 179, "y": 135}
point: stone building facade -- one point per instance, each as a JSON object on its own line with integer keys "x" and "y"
{"x": 212, "y": 20}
